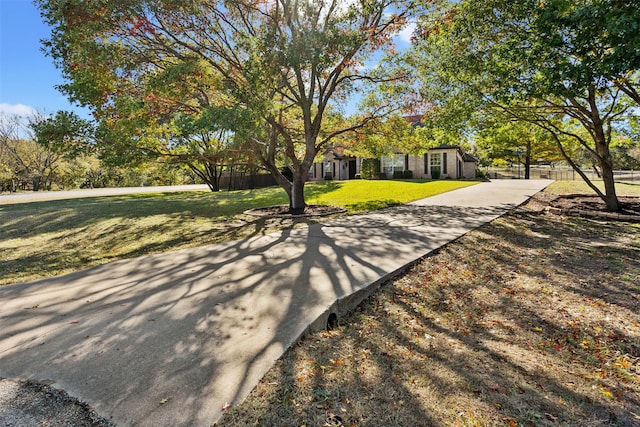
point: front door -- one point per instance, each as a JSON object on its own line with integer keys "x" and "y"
{"x": 352, "y": 169}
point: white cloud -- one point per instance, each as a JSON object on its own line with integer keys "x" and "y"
{"x": 407, "y": 32}
{"x": 17, "y": 109}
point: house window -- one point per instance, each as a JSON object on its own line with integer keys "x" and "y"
{"x": 436, "y": 163}
{"x": 327, "y": 169}
{"x": 390, "y": 164}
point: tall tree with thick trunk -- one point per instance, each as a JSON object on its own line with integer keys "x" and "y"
{"x": 279, "y": 65}
{"x": 555, "y": 64}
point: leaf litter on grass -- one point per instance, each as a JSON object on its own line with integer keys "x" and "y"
{"x": 523, "y": 322}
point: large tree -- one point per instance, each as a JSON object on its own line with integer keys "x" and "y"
{"x": 276, "y": 66}
{"x": 567, "y": 67}
{"x": 516, "y": 141}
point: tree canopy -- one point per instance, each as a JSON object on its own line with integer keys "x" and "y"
{"x": 570, "y": 68}
{"x": 516, "y": 141}
{"x": 266, "y": 72}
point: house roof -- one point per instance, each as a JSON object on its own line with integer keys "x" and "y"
{"x": 466, "y": 157}
{"x": 415, "y": 120}
{"x": 447, "y": 146}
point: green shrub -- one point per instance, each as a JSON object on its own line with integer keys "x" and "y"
{"x": 328, "y": 176}
{"x": 435, "y": 173}
{"x": 370, "y": 168}
{"x": 407, "y": 174}
{"x": 398, "y": 175}
{"x": 482, "y": 174}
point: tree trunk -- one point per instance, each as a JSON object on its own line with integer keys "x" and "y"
{"x": 606, "y": 168}
{"x": 611, "y": 198}
{"x": 296, "y": 197}
{"x": 576, "y": 168}
{"x": 208, "y": 174}
{"x": 283, "y": 182}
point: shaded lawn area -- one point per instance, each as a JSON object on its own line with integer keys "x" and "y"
{"x": 43, "y": 239}
{"x": 531, "y": 320}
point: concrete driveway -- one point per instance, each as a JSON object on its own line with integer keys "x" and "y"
{"x": 170, "y": 339}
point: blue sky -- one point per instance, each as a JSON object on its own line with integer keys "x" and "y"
{"x": 27, "y": 76}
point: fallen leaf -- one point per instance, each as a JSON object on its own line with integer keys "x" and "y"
{"x": 499, "y": 389}
{"x": 511, "y": 422}
{"x": 163, "y": 401}
{"x": 226, "y": 406}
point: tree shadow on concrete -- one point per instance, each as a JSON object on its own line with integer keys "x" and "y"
{"x": 172, "y": 338}
{"x": 495, "y": 338}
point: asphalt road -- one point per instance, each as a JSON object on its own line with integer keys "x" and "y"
{"x": 38, "y": 196}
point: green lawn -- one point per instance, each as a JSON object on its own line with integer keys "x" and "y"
{"x": 43, "y": 239}
{"x": 362, "y": 195}
{"x": 580, "y": 187}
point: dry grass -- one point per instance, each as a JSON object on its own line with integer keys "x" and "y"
{"x": 580, "y": 187}
{"x": 531, "y": 320}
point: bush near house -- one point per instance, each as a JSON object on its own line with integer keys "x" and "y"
{"x": 405, "y": 174}
{"x": 370, "y": 169}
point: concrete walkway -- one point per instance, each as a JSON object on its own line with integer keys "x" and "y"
{"x": 168, "y": 339}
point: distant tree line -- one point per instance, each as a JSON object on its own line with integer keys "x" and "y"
{"x": 27, "y": 165}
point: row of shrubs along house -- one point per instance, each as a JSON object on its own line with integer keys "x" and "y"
{"x": 444, "y": 161}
